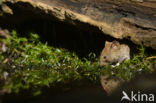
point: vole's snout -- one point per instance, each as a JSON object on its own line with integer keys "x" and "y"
{"x": 103, "y": 63}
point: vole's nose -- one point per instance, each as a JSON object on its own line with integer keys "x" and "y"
{"x": 102, "y": 64}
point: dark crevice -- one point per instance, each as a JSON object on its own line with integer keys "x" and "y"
{"x": 125, "y": 13}
{"x": 145, "y": 28}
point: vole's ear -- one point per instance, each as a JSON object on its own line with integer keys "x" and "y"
{"x": 115, "y": 45}
{"x": 115, "y": 42}
{"x": 107, "y": 43}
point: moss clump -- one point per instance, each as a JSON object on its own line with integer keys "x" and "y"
{"x": 31, "y": 64}
{"x": 0, "y": 2}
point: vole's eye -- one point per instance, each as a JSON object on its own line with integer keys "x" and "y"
{"x": 104, "y": 57}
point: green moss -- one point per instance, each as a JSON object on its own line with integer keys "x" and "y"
{"x": 33, "y": 65}
{"x": 0, "y": 2}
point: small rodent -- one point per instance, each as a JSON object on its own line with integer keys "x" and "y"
{"x": 114, "y": 53}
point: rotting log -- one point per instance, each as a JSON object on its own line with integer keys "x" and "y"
{"x": 133, "y": 20}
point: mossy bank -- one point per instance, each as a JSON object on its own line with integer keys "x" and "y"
{"x": 29, "y": 64}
